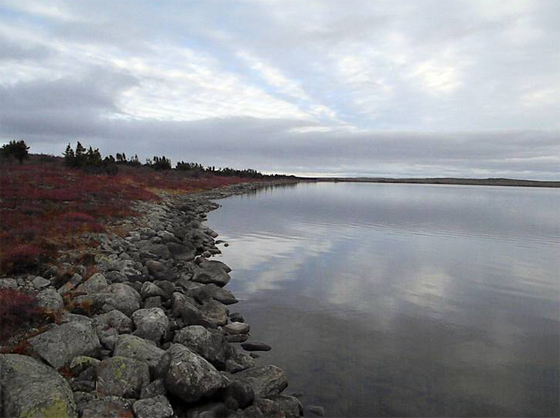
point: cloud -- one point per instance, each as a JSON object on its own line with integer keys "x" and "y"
{"x": 358, "y": 88}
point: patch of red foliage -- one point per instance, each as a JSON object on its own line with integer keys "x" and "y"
{"x": 46, "y": 206}
{"x": 18, "y": 312}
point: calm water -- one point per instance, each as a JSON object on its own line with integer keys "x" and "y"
{"x": 403, "y": 300}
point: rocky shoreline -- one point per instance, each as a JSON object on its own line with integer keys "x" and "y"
{"x": 150, "y": 335}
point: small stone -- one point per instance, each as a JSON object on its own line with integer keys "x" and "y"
{"x": 254, "y": 346}
{"x": 316, "y": 410}
{"x": 40, "y": 282}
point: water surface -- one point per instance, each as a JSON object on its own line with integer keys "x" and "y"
{"x": 403, "y": 300}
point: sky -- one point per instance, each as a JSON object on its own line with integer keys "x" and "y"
{"x": 316, "y": 87}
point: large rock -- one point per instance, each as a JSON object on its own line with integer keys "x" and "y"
{"x": 289, "y": 405}
{"x": 113, "y": 319}
{"x": 122, "y": 376}
{"x": 214, "y": 264}
{"x": 188, "y": 375}
{"x": 239, "y": 361}
{"x": 212, "y": 273}
{"x": 149, "y": 289}
{"x": 107, "y": 407}
{"x": 237, "y": 328}
{"x": 31, "y": 389}
{"x": 117, "y": 296}
{"x": 182, "y": 252}
{"x": 151, "y": 324}
{"x": 139, "y": 349}
{"x": 209, "y": 344}
{"x": 211, "y": 291}
{"x": 215, "y": 312}
{"x": 156, "y": 407}
{"x": 266, "y": 380}
{"x": 185, "y": 308}
{"x": 156, "y": 269}
{"x": 50, "y": 299}
{"x": 95, "y": 283}
{"x": 61, "y": 344}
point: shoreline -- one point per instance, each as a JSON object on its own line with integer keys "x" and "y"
{"x": 439, "y": 180}
{"x": 151, "y": 333}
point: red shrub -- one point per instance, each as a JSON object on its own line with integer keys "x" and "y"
{"x": 20, "y": 258}
{"x": 18, "y": 312}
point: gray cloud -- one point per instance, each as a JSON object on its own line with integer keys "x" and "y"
{"x": 467, "y": 88}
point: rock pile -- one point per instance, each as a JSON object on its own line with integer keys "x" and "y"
{"x": 150, "y": 335}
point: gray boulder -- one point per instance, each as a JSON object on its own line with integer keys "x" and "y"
{"x": 182, "y": 252}
{"x": 210, "y": 264}
{"x": 40, "y": 282}
{"x": 95, "y": 283}
{"x": 239, "y": 361}
{"x": 156, "y": 407}
{"x": 151, "y": 324}
{"x": 122, "y": 298}
{"x": 289, "y": 405}
{"x": 188, "y": 375}
{"x": 155, "y": 388}
{"x": 186, "y": 309}
{"x": 113, "y": 320}
{"x": 211, "y": 291}
{"x": 8, "y": 283}
{"x": 107, "y": 407}
{"x": 266, "y": 380}
{"x": 31, "y": 389}
{"x": 50, "y": 299}
{"x": 215, "y": 312}
{"x": 212, "y": 273}
{"x": 122, "y": 376}
{"x": 206, "y": 343}
{"x": 156, "y": 269}
{"x": 237, "y": 328}
{"x": 149, "y": 290}
{"x": 139, "y": 349}
{"x": 61, "y": 344}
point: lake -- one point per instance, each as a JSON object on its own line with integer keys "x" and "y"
{"x": 402, "y": 300}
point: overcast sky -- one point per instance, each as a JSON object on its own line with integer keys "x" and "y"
{"x": 337, "y": 87}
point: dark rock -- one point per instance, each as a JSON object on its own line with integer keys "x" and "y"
{"x": 139, "y": 349}
{"x": 29, "y": 388}
{"x": 239, "y": 361}
{"x": 211, "y": 291}
{"x": 242, "y": 392}
{"x": 82, "y": 363}
{"x": 187, "y": 375}
{"x": 239, "y": 338}
{"x": 253, "y": 346}
{"x": 208, "y": 344}
{"x": 107, "y": 407}
{"x": 186, "y": 309}
{"x": 236, "y": 317}
{"x": 151, "y": 324}
{"x": 289, "y": 405}
{"x": 122, "y": 376}
{"x": 115, "y": 277}
{"x": 61, "y": 344}
{"x": 149, "y": 289}
{"x": 269, "y": 408}
{"x": 210, "y": 410}
{"x": 182, "y": 252}
{"x": 212, "y": 273}
{"x": 265, "y": 380}
{"x": 153, "y": 302}
{"x": 156, "y": 407}
{"x": 156, "y": 268}
{"x": 215, "y": 312}
{"x": 155, "y": 388}
{"x": 113, "y": 319}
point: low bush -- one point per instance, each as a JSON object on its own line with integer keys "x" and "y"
{"x": 19, "y": 312}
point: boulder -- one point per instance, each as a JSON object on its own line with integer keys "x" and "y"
{"x": 40, "y": 282}
{"x": 139, "y": 349}
{"x": 208, "y": 344}
{"x": 265, "y": 381}
{"x": 210, "y": 264}
{"x": 186, "y": 309}
{"x": 215, "y": 312}
{"x": 82, "y": 363}
{"x": 151, "y": 324}
{"x": 149, "y": 290}
{"x": 187, "y": 375}
{"x": 113, "y": 320}
{"x": 107, "y": 407}
{"x": 156, "y": 269}
{"x": 61, "y": 344}
{"x": 156, "y": 407}
{"x": 254, "y": 346}
{"x": 122, "y": 376}
{"x": 182, "y": 252}
{"x": 211, "y": 291}
{"x": 237, "y": 328}
{"x": 241, "y": 392}
{"x": 155, "y": 388}
{"x": 50, "y": 299}
{"x": 239, "y": 361}
{"x": 212, "y": 273}
{"x": 31, "y": 389}
{"x": 153, "y": 302}
{"x": 208, "y": 410}
{"x": 289, "y": 405}
{"x": 95, "y": 283}
{"x": 122, "y": 298}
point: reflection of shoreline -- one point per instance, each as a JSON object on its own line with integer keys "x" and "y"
{"x": 442, "y": 180}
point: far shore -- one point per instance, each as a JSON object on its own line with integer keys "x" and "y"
{"x": 440, "y": 180}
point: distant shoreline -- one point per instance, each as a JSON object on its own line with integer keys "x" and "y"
{"x": 440, "y": 180}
